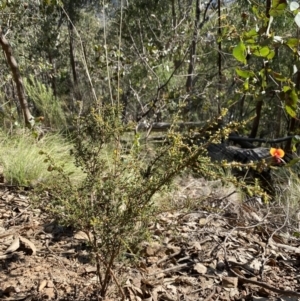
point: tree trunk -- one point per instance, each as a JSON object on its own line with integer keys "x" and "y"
{"x": 219, "y": 58}
{"x": 17, "y": 78}
{"x": 73, "y": 66}
{"x": 256, "y": 119}
{"x": 190, "y": 76}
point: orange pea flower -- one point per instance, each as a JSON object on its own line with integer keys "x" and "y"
{"x": 277, "y": 154}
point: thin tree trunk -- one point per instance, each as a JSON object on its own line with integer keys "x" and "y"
{"x": 190, "y": 76}
{"x": 293, "y": 121}
{"x": 219, "y": 58}
{"x": 256, "y": 119}
{"x": 241, "y": 107}
{"x": 52, "y": 76}
{"x": 259, "y": 104}
{"x": 73, "y": 66}
{"x": 72, "y": 58}
{"x": 17, "y": 78}
{"x": 174, "y": 20}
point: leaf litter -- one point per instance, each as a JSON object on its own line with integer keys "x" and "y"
{"x": 215, "y": 246}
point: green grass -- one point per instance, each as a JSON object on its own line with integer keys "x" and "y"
{"x": 23, "y": 164}
{"x": 48, "y": 106}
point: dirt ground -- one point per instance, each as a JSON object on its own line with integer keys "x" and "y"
{"x": 217, "y": 247}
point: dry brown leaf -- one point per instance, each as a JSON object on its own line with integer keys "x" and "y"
{"x": 158, "y": 289}
{"x": 196, "y": 245}
{"x": 90, "y": 269}
{"x": 154, "y": 249}
{"x": 7, "y": 233}
{"x": 14, "y": 246}
{"x": 206, "y": 283}
{"x": 29, "y": 244}
{"x": 42, "y": 285}
{"x": 230, "y": 282}
{"x": 49, "y": 292}
{"x": 200, "y": 268}
{"x": 80, "y": 235}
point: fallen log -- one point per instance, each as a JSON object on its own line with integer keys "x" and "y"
{"x": 220, "y": 152}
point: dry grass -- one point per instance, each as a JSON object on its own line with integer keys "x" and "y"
{"x": 22, "y": 163}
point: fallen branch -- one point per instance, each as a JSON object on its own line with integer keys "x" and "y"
{"x": 267, "y": 286}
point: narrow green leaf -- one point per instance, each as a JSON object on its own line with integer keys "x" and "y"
{"x": 291, "y": 100}
{"x": 292, "y": 162}
{"x": 294, "y": 98}
{"x": 246, "y": 84}
{"x": 244, "y": 73}
{"x": 290, "y": 111}
{"x": 279, "y": 76}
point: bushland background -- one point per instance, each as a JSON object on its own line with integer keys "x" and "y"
{"x": 91, "y": 207}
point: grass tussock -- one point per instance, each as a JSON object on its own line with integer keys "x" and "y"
{"x": 287, "y": 186}
{"x": 23, "y": 164}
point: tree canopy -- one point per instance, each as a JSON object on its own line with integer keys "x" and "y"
{"x": 155, "y": 58}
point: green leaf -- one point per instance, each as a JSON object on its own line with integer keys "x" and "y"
{"x": 292, "y": 162}
{"x": 279, "y": 77}
{"x": 246, "y": 84}
{"x": 292, "y": 43}
{"x": 239, "y": 52}
{"x": 290, "y": 110}
{"x": 244, "y": 73}
{"x": 271, "y": 54}
{"x": 296, "y": 234}
{"x": 291, "y": 100}
{"x": 250, "y": 34}
{"x": 294, "y": 98}
{"x": 262, "y": 51}
{"x": 278, "y": 7}
{"x": 251, "y": 41}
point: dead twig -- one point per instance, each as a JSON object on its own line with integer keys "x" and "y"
{"x": 175, "y": 268}
{"x": 168, "y": 257}
{"x": 267, "y": 286}
{"x": 289, "y": 248}
{"x": 209, "y": 297}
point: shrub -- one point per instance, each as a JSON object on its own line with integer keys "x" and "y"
{"x": 116, "y": 198}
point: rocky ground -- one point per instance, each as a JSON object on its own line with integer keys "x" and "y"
{"x": 216, "y": 247}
